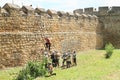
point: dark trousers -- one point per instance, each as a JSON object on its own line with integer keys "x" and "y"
{"x": 48, "y": 45}
{"x": 68, "y": 64}
{"x": 74, "y": 61}
{"x": 54, "y": 62}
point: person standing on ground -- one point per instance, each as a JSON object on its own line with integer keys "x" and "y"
{"x": 68, "y": 60}
{"x": 57, "y": 55}
{"x": 74, "y": 58}
{"x": 53, "y": 58}
{"x": 64, "y": 57}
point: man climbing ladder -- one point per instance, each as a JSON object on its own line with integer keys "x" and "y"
{"x": 47, "y": 44}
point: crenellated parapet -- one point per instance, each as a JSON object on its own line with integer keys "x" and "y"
{"x": 109, "y": 11}
{"x": 12, "y": 9}
{"x": 25, "y": 11}
{"x": 102, "y": 11}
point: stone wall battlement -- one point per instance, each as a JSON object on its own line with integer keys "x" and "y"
{"x": 14, "y": 10}
{"x": 105, "y": 10}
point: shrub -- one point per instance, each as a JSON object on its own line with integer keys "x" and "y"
{"x": 32, "y": 70}
{"x": 24, "y": 75}
{"x": 109, "y": 50}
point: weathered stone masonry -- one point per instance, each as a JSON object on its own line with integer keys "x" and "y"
{"x": 22, "y": 31}
{"x": 110, "y": 20}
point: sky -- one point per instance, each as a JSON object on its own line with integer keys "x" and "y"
{"x": 63, "y": 5}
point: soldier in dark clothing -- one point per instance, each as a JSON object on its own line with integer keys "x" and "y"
{"x": 57, "y": 57}
{"x": 64, "y": 57}
{"x": 68, "y": 59}
{"x": 74, "y": 58}
{"x": 53, "y": 58}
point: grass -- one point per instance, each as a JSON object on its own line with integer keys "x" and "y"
{"x": 92, "y": 65}
{"x": 9, "y": 73}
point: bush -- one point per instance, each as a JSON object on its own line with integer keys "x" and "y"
{"x": 109, "y": 50}
{"x": 32, "y": 70}
{"x": 24, "y": 75}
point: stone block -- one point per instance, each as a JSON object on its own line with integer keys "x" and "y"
{"x": 103, "y": 10}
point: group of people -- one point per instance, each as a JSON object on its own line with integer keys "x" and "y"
{"x": 53, "y": 57}
{"x": 69, "y": 58}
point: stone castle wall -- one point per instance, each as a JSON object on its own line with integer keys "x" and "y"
{"x": 22, "y": 37}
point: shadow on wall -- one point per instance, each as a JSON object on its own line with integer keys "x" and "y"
{"x": 99, "y": 35}
{"x": 72, "y": 44}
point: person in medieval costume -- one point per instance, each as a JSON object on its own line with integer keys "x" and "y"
{"x": 47, "y": 43}
{"x": 74, "y": 58}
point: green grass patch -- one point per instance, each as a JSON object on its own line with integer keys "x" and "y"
{"x": 92, "y": 65}
{"x": 9, "y": 73}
